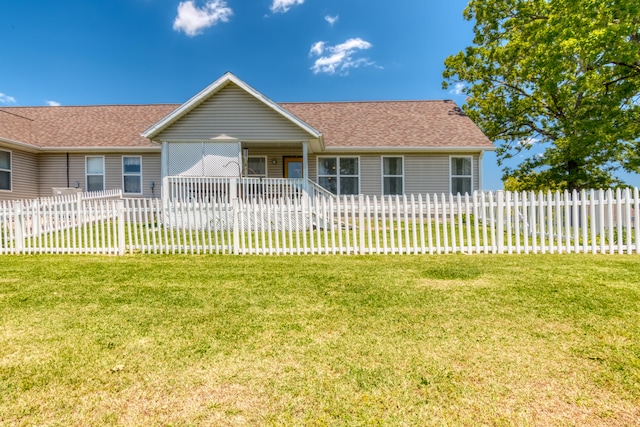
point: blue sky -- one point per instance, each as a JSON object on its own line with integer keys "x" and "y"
{"x": 80, "y": 52}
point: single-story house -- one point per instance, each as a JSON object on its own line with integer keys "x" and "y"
{"x": 230, "y": 129}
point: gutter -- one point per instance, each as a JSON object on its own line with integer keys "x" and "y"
{"x": 407, "y": 149}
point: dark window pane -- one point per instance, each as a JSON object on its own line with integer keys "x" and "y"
{"x": 131, "y": 164}
{"x": 327, "y": 166}
{"x": 132, "y": 184}
{"x": 257, "y": 166}
{"x": 95, "y": 183}
{"x": 393, "y": 185}
{"x": 461, "y": 185}
{"x": 392, "y": 166}
{"x": 329, "y": 184}
{"x": 5, "y": 160}
{"x": 348, "y": 185}
{"x": 5, "y": 180}
{"x": 348, "y": 166}
{"x": 460, "y": 166}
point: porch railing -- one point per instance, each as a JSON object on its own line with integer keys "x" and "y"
{"x": 208, "y": 189}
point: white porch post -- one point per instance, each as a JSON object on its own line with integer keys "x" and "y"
{"x": 164, "y": 191}
{"x": 305, "y": 165}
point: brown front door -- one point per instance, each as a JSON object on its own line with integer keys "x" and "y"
{"x": 293, "y": 167}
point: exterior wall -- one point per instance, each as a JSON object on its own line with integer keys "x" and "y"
{"x": 53, "y": 172}
{"x": 24, "y": 175}
{"x": 423, "y": 173}
{"x": 278, "y": 154}
{"x": 235, "y": 113}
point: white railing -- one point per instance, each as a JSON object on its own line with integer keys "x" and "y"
{"x": 501, "y": 222}
{"x": 210, "y": 189}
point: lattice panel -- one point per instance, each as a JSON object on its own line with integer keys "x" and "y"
{"x": 216, "y": 159}
{"x": 221, "y": 159}
{"x": 184, "y": 158}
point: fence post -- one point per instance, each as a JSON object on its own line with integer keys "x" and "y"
{"x": 19, "y": 226}
{"x": 361, "y": 224}
{"x": 500, "y": 222}
{"x": 120, "y": 219}
{"x": 236, "y": 226}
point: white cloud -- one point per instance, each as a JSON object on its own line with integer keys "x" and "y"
{"x": 317, "y": 48}
{"x": 457, "y": 89}
{"x": 528, "y": 142}
{"x": 53, "y": 103}
{"x": 339, "y": 58}
{"x": 6, "y": 99}
{"x": 192, "y": 19}
{"x": 283, "y": 6}
{"x": 331, "y": 19}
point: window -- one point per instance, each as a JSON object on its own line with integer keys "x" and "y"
{"x": 95, "y": 173}
{"x": 392, "y": 175}
{"x": 257, "y": 167}
{"x": 5, "y": 170}
{"x": 132, "y": 174}
{"x": 339, "y": 175}
{"x": 461, "y": 175}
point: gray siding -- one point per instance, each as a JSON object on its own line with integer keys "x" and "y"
{"x": 423, "y": 173}
{"x": 24, "y": 176}
{"x": 53, "y": 172}
{"x": 235, "y": 113}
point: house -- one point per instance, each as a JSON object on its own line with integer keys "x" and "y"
{"x": 231, "y": 131}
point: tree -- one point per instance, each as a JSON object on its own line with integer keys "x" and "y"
{"x": 559, "y": 75}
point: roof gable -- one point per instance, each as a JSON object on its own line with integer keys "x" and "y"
{"x": 210, "y": 92}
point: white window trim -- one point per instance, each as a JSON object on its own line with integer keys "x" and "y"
{"x": 86, "y": 175}
{"x": 390, "y": 176}
{"x": 266, "y": 167}
{"x": 451, "y": 176}
{"x": 10, "y": 170}
{"x": 318, "y": 158}
{"x": 132, "y": 174}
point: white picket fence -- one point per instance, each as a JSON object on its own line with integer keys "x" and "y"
{"x": 593, "y": 221}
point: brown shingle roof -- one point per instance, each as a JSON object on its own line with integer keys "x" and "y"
{"x": 419, "y": 124}
{"x": 89, "y": 126}
{"x": 383, "y": 124}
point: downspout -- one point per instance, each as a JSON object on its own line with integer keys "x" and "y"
{"x": 68, "y": 177}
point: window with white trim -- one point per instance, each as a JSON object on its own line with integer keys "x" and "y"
{"x": 339, "y": 175}
{"x": 5, "y": 170}
{"x": 257, "y": 167}
{"x": 392, "y": 175}
{"x": 461, "y": 175}
{"x": 95, "y": 173}
{"x": 132, "y": 174}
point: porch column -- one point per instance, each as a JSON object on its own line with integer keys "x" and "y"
{"x": 305, "y": 166}
{"x": 164, "y": 181}
{"x": 305, "y": 159}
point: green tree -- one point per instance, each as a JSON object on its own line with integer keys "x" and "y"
{"x": 562, "y": 75}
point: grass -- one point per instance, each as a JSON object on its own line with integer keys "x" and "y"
{"x": 320, "y": 340}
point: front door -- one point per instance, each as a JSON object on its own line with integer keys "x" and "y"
{"x": 293, "y": 167}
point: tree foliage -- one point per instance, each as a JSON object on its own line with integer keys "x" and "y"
{"x": 559, "y": 75}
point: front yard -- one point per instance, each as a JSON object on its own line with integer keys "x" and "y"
{"x": 320, "y": 340}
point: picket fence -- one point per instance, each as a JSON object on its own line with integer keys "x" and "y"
{"x": 595, "y": 221}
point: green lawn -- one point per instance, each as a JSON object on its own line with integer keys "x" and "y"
{"x": 320, "y": 340}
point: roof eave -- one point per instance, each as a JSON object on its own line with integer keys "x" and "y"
{"x": 103, "y": 149}
{"x": 409, "y": 149}
{"x": 22, "y": 145}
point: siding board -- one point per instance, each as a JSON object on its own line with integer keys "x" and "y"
{"x": 24, "y": 176}
{"x": 235, "y": 113}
